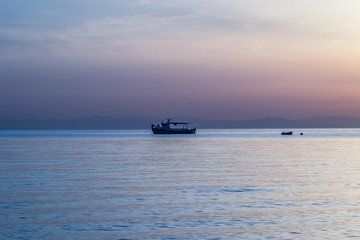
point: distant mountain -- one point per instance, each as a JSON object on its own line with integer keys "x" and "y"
{"x": 330, "y": 122}
{"x": 99, "y": 122}
{"x": 95, "y": 122}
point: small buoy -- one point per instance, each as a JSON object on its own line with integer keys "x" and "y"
{"x": 301, "y": 134}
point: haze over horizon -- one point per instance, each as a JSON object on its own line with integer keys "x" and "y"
{"x": 230, "y": 59}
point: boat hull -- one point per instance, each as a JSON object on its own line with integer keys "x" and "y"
{"x": 156, "y": 130}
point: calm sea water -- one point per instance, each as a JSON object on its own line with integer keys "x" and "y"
{"x": 217, "y": 184}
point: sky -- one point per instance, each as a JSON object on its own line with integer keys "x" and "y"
{"x": 229, "y": 59}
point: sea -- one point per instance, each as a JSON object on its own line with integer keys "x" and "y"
{"x": 215, "y": 184}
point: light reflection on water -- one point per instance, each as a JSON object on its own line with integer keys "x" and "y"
{"x": 217, "y": 184}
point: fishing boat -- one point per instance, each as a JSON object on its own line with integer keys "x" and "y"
{"x": 286, "y": 133}
{"x": 170, "y": 127}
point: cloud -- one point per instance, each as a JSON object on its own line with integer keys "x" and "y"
{"x": 172, "y": 24}
{"x": 226, "y": 53}
{"x": 210, "y": 32}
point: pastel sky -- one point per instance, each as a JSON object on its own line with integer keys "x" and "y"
{"x": 228, "y": 59}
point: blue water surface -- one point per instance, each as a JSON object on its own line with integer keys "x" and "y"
{"x": 216, "y": 184}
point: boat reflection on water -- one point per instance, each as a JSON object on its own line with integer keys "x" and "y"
{"x": 170, "y": 127}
